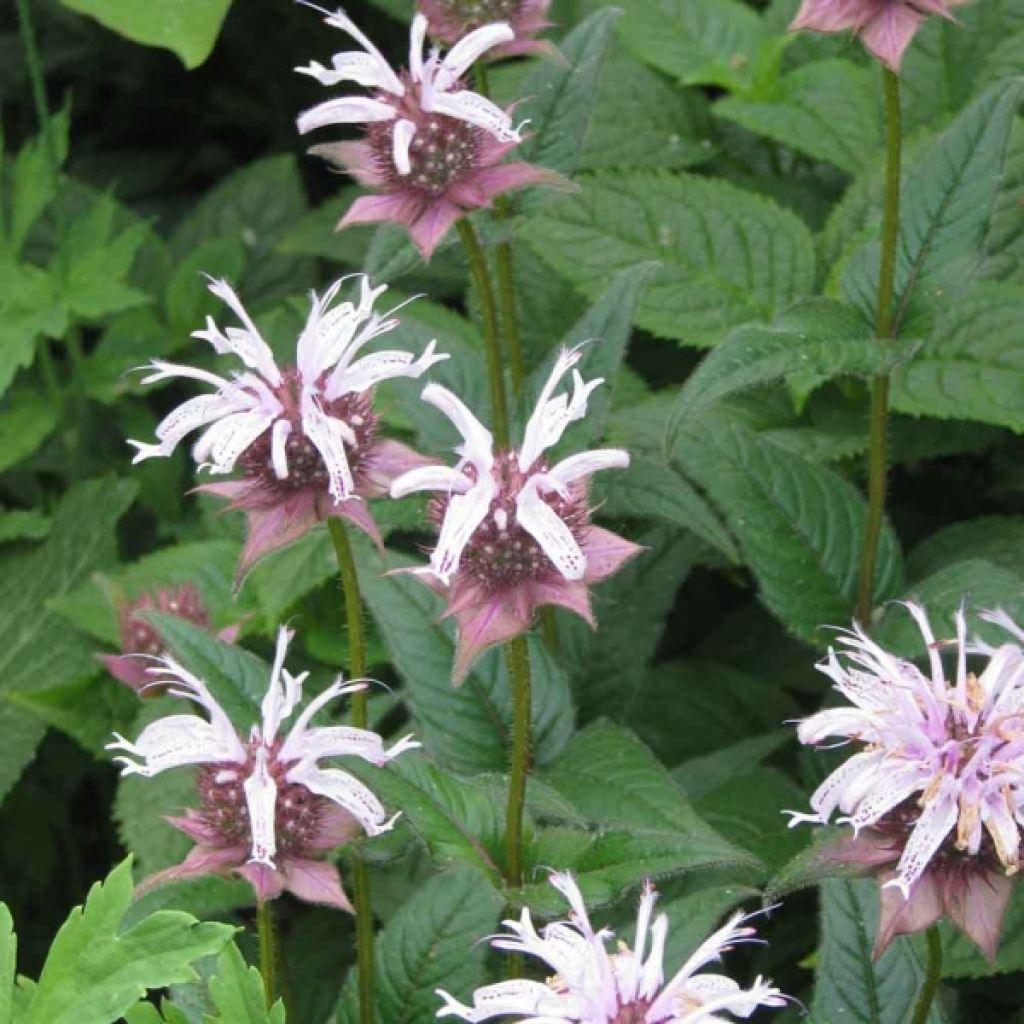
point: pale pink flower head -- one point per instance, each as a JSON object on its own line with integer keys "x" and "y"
{"x": 267, "y": 810}
{"x": 305, "y": 435}
{"x": 433, "y": 149}
{"x": 450, "y": 20}
{"x": 592, "y": 986}
{"x": 885, "y": 27}
{"x": 934, "y": 792}
{"x": 141, "y": 640}
{"x": 515, "y": 531}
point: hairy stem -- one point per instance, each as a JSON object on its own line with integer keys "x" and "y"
{"x": 268, "y": 949}
{"x": 879, "y": 421}
{"x": 932, "y": 977}
{"x": 360, "y": 719}
{"x": 482, "y": 280}
{"x": 518, "y": 656}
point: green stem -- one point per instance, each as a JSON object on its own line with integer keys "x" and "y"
{"x": 268, "y": 951}
{"x": 360, "y": 719}
{"x": 518, "y": 654}
{"x": 38, "y": 84}
{"x": 932, "y": 977}
{"x": 482, "y": 280}
{"x": 884, "y": 324}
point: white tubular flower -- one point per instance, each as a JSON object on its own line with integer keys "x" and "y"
{"x": 265, "y": 803}
{"x": 592, "y": 986}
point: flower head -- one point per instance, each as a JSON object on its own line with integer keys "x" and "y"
{"x": 515, "y": 531}
{"x": 304, "y": 435}
{"x": 592, "y": 986}
{"x": 934, "y": 794}
{"x": 433, "y": 148}
{"x": 268, "y": 811}
{"x": 885, "y": 27}
{"x": 450, "y": 20}
{"x": 140, "y": 638}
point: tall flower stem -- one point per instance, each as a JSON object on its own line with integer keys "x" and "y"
{"x": 884, "y": 328}
{"x": 360, "y": 719}
{"x": 268, "y": 949}
{"x": 482, "y": 280}
{"x": 932, "y": 977}
{"x": 518, "y": 655}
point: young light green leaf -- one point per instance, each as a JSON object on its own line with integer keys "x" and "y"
{"x": 188, "y": 28}
{"x": 237, "y": 992}
{"x": 728, "y": 256}
{"x": 8, "y": 964}
{"x": 32, "y": 178}
{"x": 945, "y": 208}
{"x": 94, "y": 971}
{"x": 28, "y": 309}
{"x": 850, "y": 984}
{"x": 799, "y": 524}
{"x": 972, "y": 365}
{"x": 432, "y": 942}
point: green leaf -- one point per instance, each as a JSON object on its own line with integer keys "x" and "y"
{"x": 28, "y": 309}
{"x": 641, "y": 122}
{"x": 827, "y": 109}
{"x": 188, "y": 28}
{"x": 699, "y": 42}
{"x": 94, "y": 972}
{"x": 850, "y": 986}
{"x": 972, "y": 365}
{"x": 946, "y": 207}
{"x": 560, "y": 95}
{"x": 799, "y": 525}
{"x": 816, "y": 338}
{"x": 464, "y": 728}
{"x": 22, "y": 733}
{"x": 23, "y": 524}
{"x": 37, "y": 650}
{"x": 255, "y": 207}
{"x": 25, "y": 423}
{"x": 187, "y": 300}
{"x": 237, "y": 992}
{"x": 653, "y": 489}
{"x": 432, "y": 942}
{"x": 728, "y": 256}
{"x": 700, "y": 775}
{"x": 1004, "y": 243}
{"x": 8, "y": 964}
{"x": 995, "y": 539}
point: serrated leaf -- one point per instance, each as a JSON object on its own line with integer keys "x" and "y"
{"x": 945, "y": 208}
{"x": 188, "y": 28}
{"x": 799, "y": 525}
{"x": 237, "y": 992}
{"x": 699, "y": 42}
{"x": 432, "y": 942}
{"x": 972, "y": 365}
{"x": 728, "y": 256}
{"x": 827, "y": 109}
{"x": 816, "y": 338}
{"x": 94, "y": 972}
{"x": 850, "y": 986}
{"x": 560, "y": 95}
{"x": 28, "y": 309}
{"x": 463, "y": 728}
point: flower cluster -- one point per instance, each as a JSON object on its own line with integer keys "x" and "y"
{"x": 935, "y": 795}
{"x": 592, "y": 986}
{"x": 450, "y": 20}
{"x": 433, "y": 148}
{"x": 268, "y": 810}
{"x": 515, "y": 531}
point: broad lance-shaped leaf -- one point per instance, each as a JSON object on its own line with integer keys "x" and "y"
{"x": 432, "y": 942}
{"x": 94, "y": 972}
{"x": 464, "y": 728}
{"x": 799, "y": 524}
{"x": 817, "y": 338}
{"x": 188, "y": 28}
{"x": 945, "y": 207}
{"x": 237, "y": 992}
{"x": 972, "y": 365}
{"x": 851, "y": 986}
{"x": 728, "y": 256}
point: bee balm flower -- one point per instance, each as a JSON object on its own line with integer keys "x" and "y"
{"x": 591, "y": 986}
{"x": 934, "y": 792}
{"x": 433, "y": 149}
{"x": 450, "y": 20}
{"x": 268, "y": 811}
{"x": 515, "y": 532}
{"x": 885, "y": 27}
{"x": 304, "y": 436}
